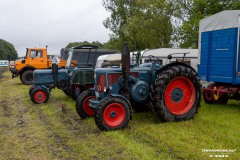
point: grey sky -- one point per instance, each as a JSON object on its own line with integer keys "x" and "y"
{"x": 37, "y": 23}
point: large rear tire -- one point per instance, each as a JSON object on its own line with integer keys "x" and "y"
{"x": 177, "y": 93}
{"x": 112, "y": 113}
{"x": 82, "y": 104}
{"x": 27, "y": 77}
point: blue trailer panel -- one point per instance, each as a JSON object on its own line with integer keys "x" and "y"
{"x": 219, "y": 49}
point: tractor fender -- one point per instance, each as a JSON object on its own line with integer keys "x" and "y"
{"x": 43, "y": 86}
{"x": 120, "y": 96}
{"x": 174, "y": 64}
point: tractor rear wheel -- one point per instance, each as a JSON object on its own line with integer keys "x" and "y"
{"x": 39, "y": 95}
{"x": 177, "y": 93}
{"x": 112, "y": 113}
{"x": 82, "y": 104}
{"x": 208, "y": 96}
{"x": 27, "y": 77}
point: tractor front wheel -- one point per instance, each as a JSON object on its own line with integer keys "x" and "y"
{"x": 112, "y": 113}
{"x": 177, "y": 93}
{"x": 39, "y": 95}
{"x": 82, "y": 104}
{"x": 31, "y": 88}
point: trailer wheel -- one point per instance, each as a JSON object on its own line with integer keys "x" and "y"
{"x": 39, "y": 95}
{"x": 177, "y": 93}
{"x": 223, "y": 99}
{"x": 208, "y": 95}
{"x": 27, "y": 77}
{"x": 82, "y": 104}
{"x": 112, "y": 113}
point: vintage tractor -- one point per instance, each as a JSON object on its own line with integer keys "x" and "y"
{"x": 172, "y": 91}
{"x": 74, "y": 79}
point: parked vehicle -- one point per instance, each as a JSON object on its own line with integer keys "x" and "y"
{"x": 219, "y": 56}
{"x": 36, "y": 58}
{"x": 172, "y": 91}
{"x": 72, "y": 80}
{"x": 4, "y": 63}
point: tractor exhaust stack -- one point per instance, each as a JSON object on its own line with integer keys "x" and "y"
{"x": 125, "y": 66}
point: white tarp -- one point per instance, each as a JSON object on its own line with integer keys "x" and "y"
{"x": 221, "y": 20}
{"x": 164, "y": 52}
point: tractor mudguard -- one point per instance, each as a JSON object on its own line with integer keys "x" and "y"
{"x": 173, "y": 64}
{"x": 46, "y": 88}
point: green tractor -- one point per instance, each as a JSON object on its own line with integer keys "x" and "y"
{"x": 74, "y": 79}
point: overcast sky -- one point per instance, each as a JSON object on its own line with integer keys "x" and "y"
{"x": 37, "y": 23}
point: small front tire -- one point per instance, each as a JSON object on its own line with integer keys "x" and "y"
{"x": 112, "y": 113}
{"x": 39, "y": 95}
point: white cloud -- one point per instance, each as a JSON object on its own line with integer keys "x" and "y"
{"x": 36, "y": 23}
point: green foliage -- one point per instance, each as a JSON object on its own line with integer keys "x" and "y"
{"x": 190, "y": 12}
{"x": 7, "y": 51}
{"x": 73, "y": 44}
{"x": 144, "y": 24}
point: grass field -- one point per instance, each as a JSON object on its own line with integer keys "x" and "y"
{"x": 55, "y": 131}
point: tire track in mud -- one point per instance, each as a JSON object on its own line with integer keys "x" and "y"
{"x": 70, "y": 123}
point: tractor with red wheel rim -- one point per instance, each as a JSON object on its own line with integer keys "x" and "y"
{"x": 74, "y": 79}
{"x": 172, "y": 92}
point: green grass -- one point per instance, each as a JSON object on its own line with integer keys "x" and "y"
{"x": 55, "y": 131}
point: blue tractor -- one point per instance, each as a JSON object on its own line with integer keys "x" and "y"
{"x": 74, "y": 79}
{"x": 172, "y": 91}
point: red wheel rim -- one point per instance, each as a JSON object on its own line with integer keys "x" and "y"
{"x": 86, "y": 107}
{"x": 208, "y": 94}
{"x": 40, "y": 96}
{"x": 179, "y": 95}
{"x": 114, "y": 114}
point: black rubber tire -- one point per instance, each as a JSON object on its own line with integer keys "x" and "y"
{"x": 223, "y": 99}
{"x": 66, "y": 92}
{"x": 80, "y": 103}
{"x": 39, "y": 90}
{"x": 27, "y": 77}
{"x": 208, "y": 97}
{"x": 31, "y": 88}
{"x": 161, "y": 83}
{"x": 100, "y": 113}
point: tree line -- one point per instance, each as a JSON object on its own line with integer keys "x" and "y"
{"x": 7, "y": 51}
{"x": 150, "y": 24}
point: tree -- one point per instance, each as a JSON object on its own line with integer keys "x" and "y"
{"x": 73, "y": 44}
{"x": 7, "y": 51}
{"x": 144, "y": 24}
{"x": 190, "y": 12}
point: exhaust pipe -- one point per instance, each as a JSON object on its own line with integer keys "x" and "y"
{"x": 125, "y": 66}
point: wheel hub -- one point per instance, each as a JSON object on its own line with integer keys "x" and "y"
{"x": 113, "y": 114}
{"x": 40, "y": 95}
{"x": 177, "y": 95}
